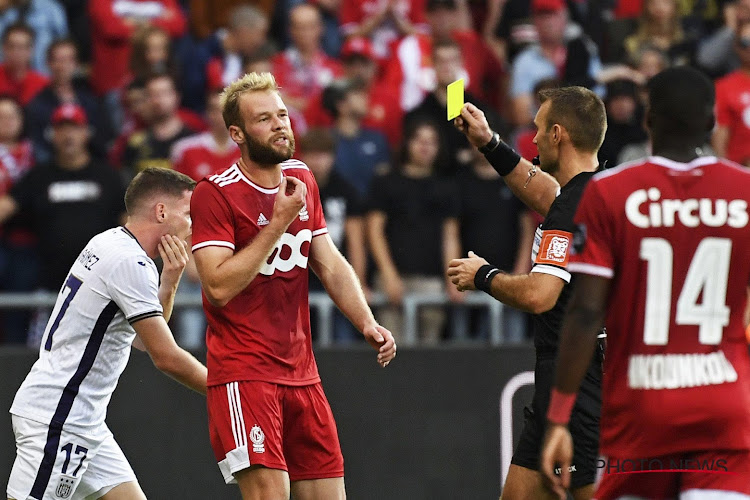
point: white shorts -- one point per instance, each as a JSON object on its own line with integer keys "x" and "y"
{"x": 61, "y": 465}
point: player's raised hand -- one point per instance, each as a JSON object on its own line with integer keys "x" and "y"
{"x": 290, "y": 199}
{"x": 174, "y": 254}
{"x": 382, "y": 340}
{"x": 557, "y": 451}
{"x": 461, "y": 271}
{"x": 473, "y": 124}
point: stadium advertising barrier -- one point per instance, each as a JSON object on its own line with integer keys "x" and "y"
{"x": 436, "y": 424}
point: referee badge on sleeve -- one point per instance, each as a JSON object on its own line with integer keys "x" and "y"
{"x": 554, "y": 248}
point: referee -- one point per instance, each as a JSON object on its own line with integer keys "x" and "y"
{"x": 570, "y": 124}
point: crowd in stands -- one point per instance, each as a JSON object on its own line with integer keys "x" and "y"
{"x": 92, "y": 92}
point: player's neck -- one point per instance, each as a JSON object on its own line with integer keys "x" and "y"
{"x": 574, "y": 162}
{"x": 144, "y": 234}
{"x": 682, "y": 153}
{"x": 265, "y": 176}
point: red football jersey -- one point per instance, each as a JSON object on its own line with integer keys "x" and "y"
{"x": 674, "y": 239}
{"x": 355, "y": 12}
{"x": 198, "y": 156}
{"x": 263, "y": 333}
{"x": 733, "y": 112}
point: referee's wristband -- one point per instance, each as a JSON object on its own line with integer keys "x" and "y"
{"x": 560, "y": 407}
{"x": 502, "y": 157}
{"x": 483, "y": 278}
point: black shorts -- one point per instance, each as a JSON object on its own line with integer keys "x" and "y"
{"x": 584, "y": 421}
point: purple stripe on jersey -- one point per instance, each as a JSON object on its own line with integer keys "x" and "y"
{"x": 68, "y": 397}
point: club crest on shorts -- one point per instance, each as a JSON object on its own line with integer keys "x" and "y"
{"x": 258, "y": 438}
{"x": 65, "y": 487}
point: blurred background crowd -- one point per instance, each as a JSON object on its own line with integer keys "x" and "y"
{"x": 92, "y": 92}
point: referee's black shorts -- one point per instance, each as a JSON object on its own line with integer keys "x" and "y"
{"x": 584, "y": 421}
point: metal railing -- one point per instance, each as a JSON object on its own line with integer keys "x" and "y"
{"x": 325, "y": 308}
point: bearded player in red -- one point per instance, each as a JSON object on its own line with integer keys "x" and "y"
{"x": 256, "y": 227}
{"x": 662, "y": 253}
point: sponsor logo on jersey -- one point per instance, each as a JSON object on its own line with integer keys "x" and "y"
{"x": 262, "y": 221}
{"x": 258, "y": 438}
{"x": 303, "y": 215}
{"x": 676, "y": 371}
{"x": 553, "y": 248}
{"x": 645, "y": 208}
{"x": 288, "y": 253}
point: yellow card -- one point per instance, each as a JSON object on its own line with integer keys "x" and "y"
{"x": 455, "y": 98}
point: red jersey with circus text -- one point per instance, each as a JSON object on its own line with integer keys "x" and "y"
{"x": 262, "y": 334}
{"x": 674, "y": 238}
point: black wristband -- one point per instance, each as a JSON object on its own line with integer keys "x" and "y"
{"x": 492, "y": 145}
{"x": 503, "y": 158}
{"x": 483, "y": 278}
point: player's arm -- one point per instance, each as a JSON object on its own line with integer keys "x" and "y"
{"x": 342, "y": 285}
{"x": 581, "y": 326}
{"x": 174, "y": 254}
{"x": 167, "y": 356}
{"x": 356, "y": 248}
{"x": 537, "y": 193}
{"x": 532, "y": 292}
{"x": 224, "y": 273}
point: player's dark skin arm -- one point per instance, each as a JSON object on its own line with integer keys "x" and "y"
{"x": 583, "y": 322}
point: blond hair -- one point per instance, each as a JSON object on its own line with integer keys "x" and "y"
{"x": 230, "y": 97}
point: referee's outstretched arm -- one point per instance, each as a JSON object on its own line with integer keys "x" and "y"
{"x": 535, "y": 188}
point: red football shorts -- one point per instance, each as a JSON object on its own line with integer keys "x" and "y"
{"x": 723, "y": 470}
{"x": 276, "y": 426}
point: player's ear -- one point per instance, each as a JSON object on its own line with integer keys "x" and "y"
{"x": 160, "y": 212}
{"x": 557, "y": 132}
{"x": 236, "y": 134}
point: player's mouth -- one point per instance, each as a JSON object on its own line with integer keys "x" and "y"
{"x": 281, "y": 141}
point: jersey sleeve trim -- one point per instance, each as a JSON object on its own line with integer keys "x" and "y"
{"x": 320, "y": 231}
{"x": 554, "y": 271}
{"x": 138, "y": 317}
{"x": 213, "y": 243}
{"x": 592, "y": 269}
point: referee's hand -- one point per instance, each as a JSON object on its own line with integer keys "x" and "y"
{"x": 461, "y": 271}
{"x": 473, "y": 124}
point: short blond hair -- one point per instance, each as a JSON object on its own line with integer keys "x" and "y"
{"x": 230, "y": 97}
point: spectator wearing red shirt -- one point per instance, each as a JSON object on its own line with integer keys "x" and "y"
{"x": 202, "y": 154}
{"x": 16, "y": 76}
{"x": 384, "y": 113}
{"x": 247, "y": 33}
{"x": 731, "y": 138}
{"x": 411, "y": 68}
{"x": 383, "y": 21}
{"x": 303, "y": 70}
{"x": 113, "y": 23}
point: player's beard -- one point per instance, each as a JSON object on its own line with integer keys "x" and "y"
{"x": 265, "y": 154}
